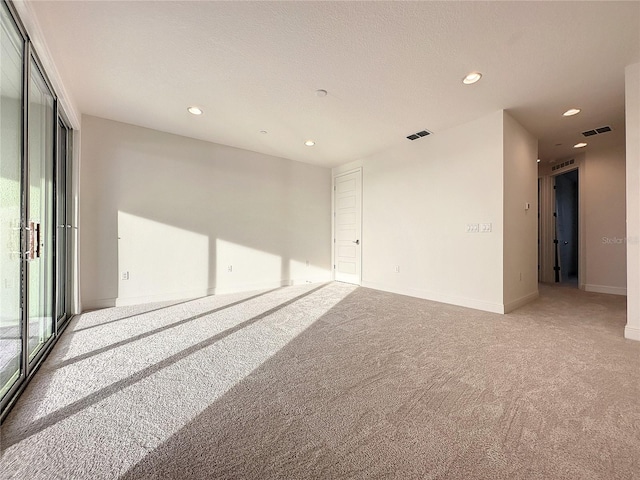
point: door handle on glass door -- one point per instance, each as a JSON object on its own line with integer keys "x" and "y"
{"x": 38, "y": 241}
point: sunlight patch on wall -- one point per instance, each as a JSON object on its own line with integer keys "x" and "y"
{"x": 159, "y": 262}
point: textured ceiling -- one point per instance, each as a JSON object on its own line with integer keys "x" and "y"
{"x": 391, "y": 69}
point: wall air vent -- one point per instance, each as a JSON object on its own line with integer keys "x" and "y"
{"x": 420, "y": 134}
{"x": 597, "y": 131}
{"x": 563, "y": 164}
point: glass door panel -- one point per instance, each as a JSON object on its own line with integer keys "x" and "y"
{"x": 61, "y": 224}
{"x": 40, "y": 285}
{"x": 11, "y": 332}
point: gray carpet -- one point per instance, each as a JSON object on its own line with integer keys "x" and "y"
{"x": 331, "y": 382}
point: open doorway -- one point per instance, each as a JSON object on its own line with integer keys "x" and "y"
{"x": 566, "y": 228}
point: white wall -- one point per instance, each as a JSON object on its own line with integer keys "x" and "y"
{"x": 520, "y": 224}
{"x": 176, "y": 213}
{"x": 602, "y": 184}
{"x": 632, "y": 120}
{"x": 417, "y": 200}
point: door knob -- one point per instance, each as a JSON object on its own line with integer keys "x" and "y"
{"x": 357, "y": 242}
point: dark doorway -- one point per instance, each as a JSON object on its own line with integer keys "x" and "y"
{"x": 566, "y": 241}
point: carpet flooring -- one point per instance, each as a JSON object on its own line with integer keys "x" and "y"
{"x": 334, "y": 381}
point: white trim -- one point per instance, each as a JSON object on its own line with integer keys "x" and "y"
{"x": 75, "y": 220}
{"x": 632, "y": 333}
{"x": 439, "y": 297}
{"x": 348, "y": 172}
{"x": 267, "y": 285}
{"x": 346, "y": 168}
{"x": 511, "y": 306}
{"x": 605, "y": 289}
{"x": 333, "y": 215}
{"x": 98, "y": 304}
{"x": 167, "y": 297}
{"x": 34, "y": 31}
{"x": 546, "y": 221}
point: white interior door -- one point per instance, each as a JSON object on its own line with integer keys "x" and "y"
{"x": 347, "y": 227}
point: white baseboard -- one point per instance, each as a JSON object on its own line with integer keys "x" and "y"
{"x": 511, "y": 306}
{"x": 98, "y": 304}
{"x": 605, "y": 289}
{"x": 171, "y": 296}
{"x": 248, "y": 287}
{"x": 632, "y": 333}
{"x": 266, "y": 285}
{"x": 161, "y": 297}
{"x": 439, "y": 297}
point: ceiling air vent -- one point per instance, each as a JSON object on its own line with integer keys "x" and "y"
{"x": 563, "y": 164}
{"x": 597, "y": 131}
{"x": 417, "y": 135}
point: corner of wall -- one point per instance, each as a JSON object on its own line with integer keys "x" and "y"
{"x": 632, "y": 168}
{"x": 520, "y": 211}
{"x": 418, "y": 198}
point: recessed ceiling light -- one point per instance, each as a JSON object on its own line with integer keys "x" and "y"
{"x": 580, "y": 145}
{"x": 571, "y": 112}
{"x": 473, "y": 77}
{"x": 309, "y": 143}
{"x": 195, "y": 111}
{"x": 321, "y": 93}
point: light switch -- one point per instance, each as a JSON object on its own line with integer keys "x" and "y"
{"x": 485, "y": 227}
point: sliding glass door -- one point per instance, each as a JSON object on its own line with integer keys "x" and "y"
{"x": 41, "y": 128}
{"x": 11, "y": 208}
{"x": 63, "y": 225}
{"x": 34, "y": 229}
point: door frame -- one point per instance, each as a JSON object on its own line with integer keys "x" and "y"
{"x": 547, "y": 225}
{"x": 32, "y": 365}
{"x": 333, "y": 220}
{"x": 62, "y": 123}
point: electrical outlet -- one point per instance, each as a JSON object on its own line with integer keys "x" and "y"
{"x": 230, "y": 268}
{"x": 397, "y": 268}
{"x": 472, "y": 228}
{"x": 485, "y": 227}
{"x": 124, "y": 276}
